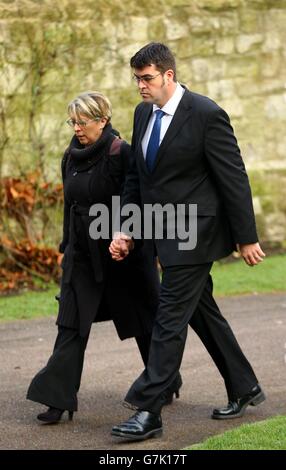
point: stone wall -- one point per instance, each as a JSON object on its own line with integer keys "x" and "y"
{"x": 231, "y": 50}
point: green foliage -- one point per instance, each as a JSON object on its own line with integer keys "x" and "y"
{"x": 265, "y": 435}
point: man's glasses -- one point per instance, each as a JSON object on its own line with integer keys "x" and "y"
{"x": 80, "y": 123}
{"x": 144, "y": 78}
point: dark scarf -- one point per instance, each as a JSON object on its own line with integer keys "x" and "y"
{"x": 83, "y": 157}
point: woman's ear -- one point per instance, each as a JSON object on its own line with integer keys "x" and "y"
{"x": 103, "y": 122}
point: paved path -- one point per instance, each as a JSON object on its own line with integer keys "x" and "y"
{"x": 110, "y": 367}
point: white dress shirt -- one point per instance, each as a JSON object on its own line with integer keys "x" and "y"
{"x": 169, "y": 108}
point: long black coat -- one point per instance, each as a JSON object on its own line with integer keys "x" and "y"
{"x": 94, "y": 287}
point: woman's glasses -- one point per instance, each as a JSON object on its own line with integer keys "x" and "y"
{"x": 80, "y": 122}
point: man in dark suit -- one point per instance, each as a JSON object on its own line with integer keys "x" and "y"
{"x": 186, "y": 153}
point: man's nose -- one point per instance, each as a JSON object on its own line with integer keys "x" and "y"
{"x": 76, "y": 126}
{"x": 141, "y": 85}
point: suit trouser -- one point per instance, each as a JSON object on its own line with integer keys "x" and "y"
{"x": 186, "y": 298}
{"x": 58, "y": 382}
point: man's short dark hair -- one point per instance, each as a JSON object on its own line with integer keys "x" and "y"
{"x": 157, "y": 54}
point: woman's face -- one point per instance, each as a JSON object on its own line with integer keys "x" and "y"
{"x": 87, "y": 130}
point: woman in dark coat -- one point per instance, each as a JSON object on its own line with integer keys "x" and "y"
{"x": 93, "y": 287}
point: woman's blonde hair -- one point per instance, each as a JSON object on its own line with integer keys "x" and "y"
{"x": 92, "y": 104}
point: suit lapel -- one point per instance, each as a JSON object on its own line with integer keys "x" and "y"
{"x": 142, "y": 126}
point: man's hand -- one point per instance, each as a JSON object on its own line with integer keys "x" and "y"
{"x": 120, "y": 246}
{"x": 251, "y": 253}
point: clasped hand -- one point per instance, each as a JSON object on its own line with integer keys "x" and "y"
{"x": 120, "y": 246}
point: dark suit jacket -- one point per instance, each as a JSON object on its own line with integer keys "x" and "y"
{"x": 198, "y": 162}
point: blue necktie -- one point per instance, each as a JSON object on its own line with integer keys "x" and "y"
{"x": 153, "y": 144}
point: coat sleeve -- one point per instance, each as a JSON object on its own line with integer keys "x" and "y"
{"x": 66, "y": 218}
{"x": 230, "y": 177}
{"x": 131, "y": 187}
{"x": 131, "y": 192}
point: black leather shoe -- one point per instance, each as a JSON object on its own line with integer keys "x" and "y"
{"x": 140, "y": 426}
{"x": 236, "y": 408}
{"x": 53, "y": 415}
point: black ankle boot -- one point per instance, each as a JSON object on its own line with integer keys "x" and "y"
{"x": 173, "y": 390}
{"x": 53, "y": 415}
{"x": 170, "y": 396}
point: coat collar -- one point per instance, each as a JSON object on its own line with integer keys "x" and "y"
{"x": 82, "y": 158}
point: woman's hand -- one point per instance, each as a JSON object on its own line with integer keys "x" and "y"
{"x": 120, "y": 246}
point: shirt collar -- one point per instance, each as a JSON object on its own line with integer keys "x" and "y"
{"x": 172, "y": 104}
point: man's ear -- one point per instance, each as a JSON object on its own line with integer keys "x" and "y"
{"x": 170, "y": 75}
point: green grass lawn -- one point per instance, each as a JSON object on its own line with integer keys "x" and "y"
{"x": 264, "y": 435}
{"x": 238, "y": 278}
{"x": 30, "y": 304}
{"x": 229, "y": 279}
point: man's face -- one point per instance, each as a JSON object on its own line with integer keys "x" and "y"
{"x": 152, "y": 85}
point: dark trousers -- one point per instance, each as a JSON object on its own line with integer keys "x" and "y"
{"x": 186, "y": 299}
{"x": 58, "y": 382}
